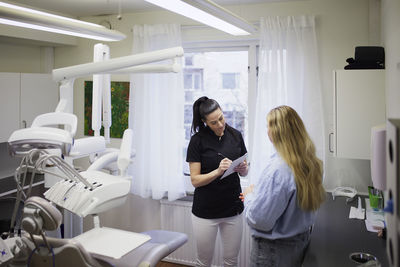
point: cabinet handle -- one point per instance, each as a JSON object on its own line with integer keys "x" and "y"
{"x": 24, "y": 124}
{"x": 330, "y": 143}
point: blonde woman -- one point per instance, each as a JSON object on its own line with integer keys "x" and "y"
{"x": 281, "y": 210}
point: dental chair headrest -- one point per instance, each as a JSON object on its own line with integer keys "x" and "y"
{"x": 45, "y": 134}
{"x": 40, "y": 215}
{"x": 68, "y": 120}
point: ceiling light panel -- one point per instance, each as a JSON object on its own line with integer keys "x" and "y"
{"x": 39, "y": 20}
{"x": 209, "y": 13}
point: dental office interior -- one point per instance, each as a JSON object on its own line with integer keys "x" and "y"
{"x": 157, "y": 210}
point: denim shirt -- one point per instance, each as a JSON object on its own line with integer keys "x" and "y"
{"x": 272, "y": 211}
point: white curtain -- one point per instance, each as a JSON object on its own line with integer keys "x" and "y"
{"x": 156, "y": 117}
{"x": 288, "y": 75}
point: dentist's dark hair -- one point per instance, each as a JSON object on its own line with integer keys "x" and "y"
{"x": 201, "y": 108}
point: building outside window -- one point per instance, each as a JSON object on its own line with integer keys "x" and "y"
{"x": 230, "y": 80}
{"x": 188, "y": 60}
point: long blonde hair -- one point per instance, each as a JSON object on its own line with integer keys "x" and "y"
{"x": 292, "y": 142}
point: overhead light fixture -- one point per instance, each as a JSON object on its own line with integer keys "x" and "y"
{"x": 209, "y": 13}
{"x": 34, "y": 19}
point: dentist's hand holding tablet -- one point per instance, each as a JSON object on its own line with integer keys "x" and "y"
{"x": 238, "y": 165}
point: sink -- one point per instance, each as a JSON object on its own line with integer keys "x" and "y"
{"x": 364, "y": 259}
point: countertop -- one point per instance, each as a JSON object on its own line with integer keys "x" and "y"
{"x": 335, "y": 236}
{"x": 8, "y": 165}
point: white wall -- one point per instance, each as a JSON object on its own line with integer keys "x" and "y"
{"x": 391, "y": 40}
{"x": 19, "y": 58}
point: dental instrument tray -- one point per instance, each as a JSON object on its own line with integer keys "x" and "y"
{"x": 110, "y": 242}
{"x": 104, "y": 192}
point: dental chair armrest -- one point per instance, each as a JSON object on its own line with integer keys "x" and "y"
{"x": 172, "y": 239}
{"x": 87, "y": 146}
{"x": 103, "y": 161}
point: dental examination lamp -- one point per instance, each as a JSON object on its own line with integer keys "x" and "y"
{"x": 67, "y": 75}
{"x": 101, "y": 69}
{"x": 101, "y": 100}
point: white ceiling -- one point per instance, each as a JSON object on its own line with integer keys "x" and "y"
{"x": 81, "y": 8}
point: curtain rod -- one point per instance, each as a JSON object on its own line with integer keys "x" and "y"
{"x": 190, "y": 26}
{"x": 198, "y": 26}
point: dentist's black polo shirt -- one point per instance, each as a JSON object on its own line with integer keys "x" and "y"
{"x": 220, "y": 198}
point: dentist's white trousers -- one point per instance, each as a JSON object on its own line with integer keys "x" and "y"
{"x": 205, "y": 232}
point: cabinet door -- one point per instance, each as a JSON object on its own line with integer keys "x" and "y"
{"x": 9, "y": 104}
{"x": 39, "y": 94}
{"x": 359, "y": 105}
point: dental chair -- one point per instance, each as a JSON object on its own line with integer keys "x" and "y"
{"x": 86, "y": 193}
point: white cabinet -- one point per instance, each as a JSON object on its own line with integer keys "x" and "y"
{"x": 23, "y": 96}
{"x": 39, "y": 94}
{"x": 9, "y": 104}
{"x": 359, "y": 104}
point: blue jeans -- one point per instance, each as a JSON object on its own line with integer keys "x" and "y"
{"x": 288, "y": 252}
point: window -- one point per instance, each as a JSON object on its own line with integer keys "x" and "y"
{"x": 230, "y": 80}
{"x": 192, "y": 82}
{"x": 223, "y": 76}
{"x": 192, "y": 79}
{"x": 188, "y": 60}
